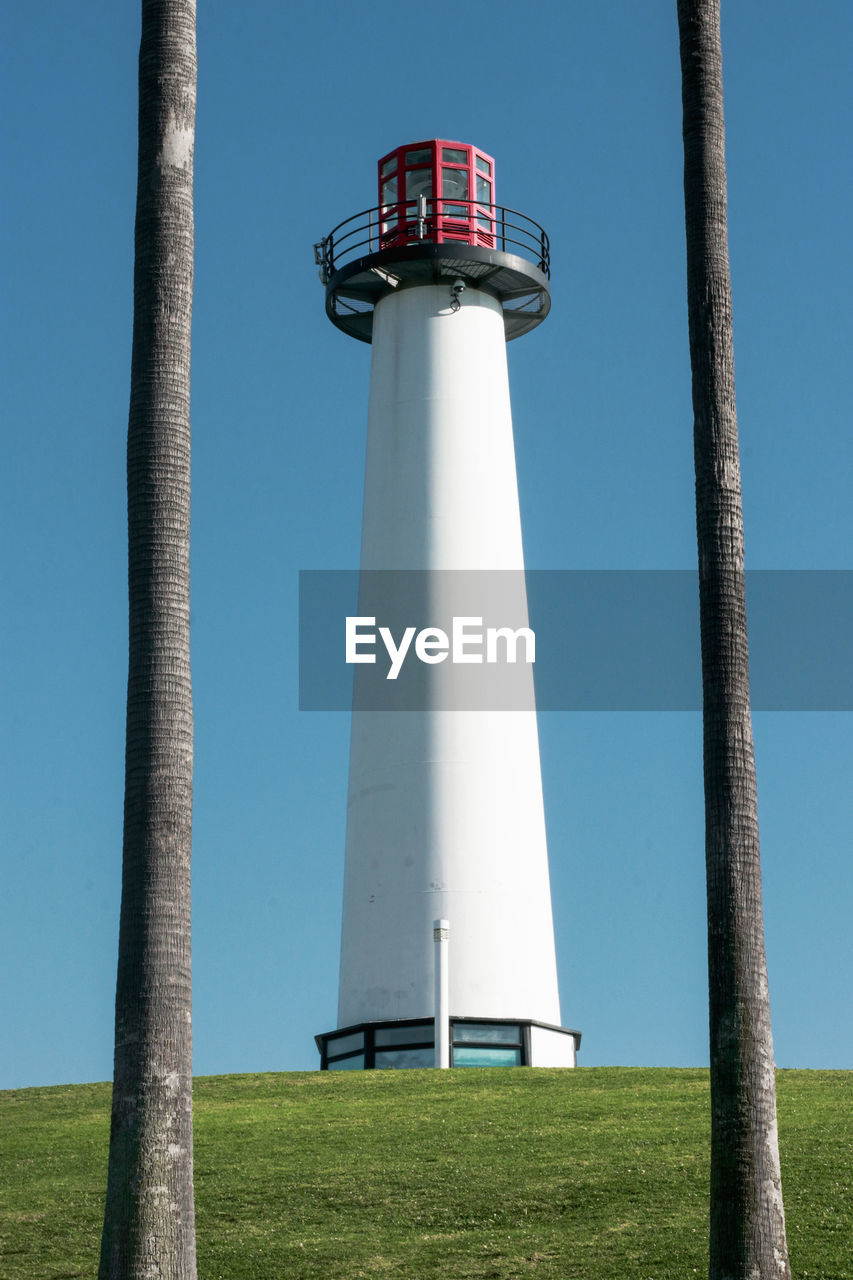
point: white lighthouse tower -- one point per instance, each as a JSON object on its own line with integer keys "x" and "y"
{"x": 447, "y": 945}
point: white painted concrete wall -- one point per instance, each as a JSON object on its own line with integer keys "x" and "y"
{"x": 445, "y": 816}
{"x": 551, "y": 1048}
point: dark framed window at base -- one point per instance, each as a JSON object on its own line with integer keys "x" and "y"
{"x": 475, "y": 1042}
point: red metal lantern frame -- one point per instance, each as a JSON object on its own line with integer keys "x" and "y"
{"x": 437, "y": 190}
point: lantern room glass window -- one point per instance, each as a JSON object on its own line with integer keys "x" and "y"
{"x": 418, "y": 183}
{"x": 484, "y": 190}
{"x": 454, "y": 155}
{"x": 419, "y": 155}
{"x": 454, "y": 184}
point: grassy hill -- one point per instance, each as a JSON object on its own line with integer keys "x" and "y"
{"x": 593, "y": 1174}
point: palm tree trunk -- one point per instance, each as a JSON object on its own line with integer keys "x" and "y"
{"x": 149, "y": 1225}
{"x": 747, "y": 1223}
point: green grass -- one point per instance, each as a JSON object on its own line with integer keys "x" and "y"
{"x": 593, "y": 1174}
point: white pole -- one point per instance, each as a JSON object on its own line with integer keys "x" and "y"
{"x": 441, "y": 933}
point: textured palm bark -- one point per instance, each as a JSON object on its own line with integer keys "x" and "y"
{"x": 149, "y": 1227}
{"x": 747, "y": 1224}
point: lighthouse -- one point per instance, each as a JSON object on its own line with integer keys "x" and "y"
{"x": 447, "y": 939}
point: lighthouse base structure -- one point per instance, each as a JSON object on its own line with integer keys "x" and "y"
{"x": 445, "y": 812}
{"x": 473, "y": 1043}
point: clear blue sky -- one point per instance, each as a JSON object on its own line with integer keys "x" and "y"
{"x": 580, "y": 105}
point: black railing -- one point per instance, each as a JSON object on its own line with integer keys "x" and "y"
{"x": 433, "y": 221}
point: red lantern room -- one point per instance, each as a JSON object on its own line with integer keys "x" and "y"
{"x": 436, "y": 223}
{"x": 438, "y": 191}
